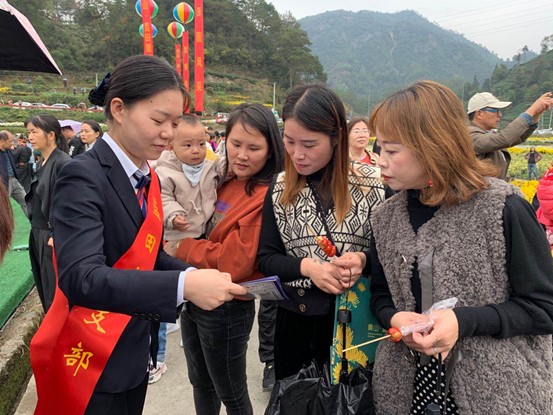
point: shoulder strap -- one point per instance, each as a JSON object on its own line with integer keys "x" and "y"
{"x": 322, "y": 214}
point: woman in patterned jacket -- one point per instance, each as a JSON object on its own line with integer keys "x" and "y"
{"x": 318, "y": 194}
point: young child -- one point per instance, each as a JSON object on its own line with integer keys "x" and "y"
{"x": 189, "y": 173}
{"x": 189, "y": 179}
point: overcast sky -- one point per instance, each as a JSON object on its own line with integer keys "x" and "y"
{"x": 503, "y": 27}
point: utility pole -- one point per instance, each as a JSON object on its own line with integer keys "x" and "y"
{"x": 274, "y": 95}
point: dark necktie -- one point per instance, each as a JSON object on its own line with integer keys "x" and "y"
{"x": 142, "y": 182}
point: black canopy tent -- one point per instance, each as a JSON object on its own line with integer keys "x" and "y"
{"x": 21, "y": 49}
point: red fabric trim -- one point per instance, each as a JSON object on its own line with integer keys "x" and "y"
{"x": 71, "y": 348}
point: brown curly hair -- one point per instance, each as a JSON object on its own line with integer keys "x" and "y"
{"x": 6, "y": 221}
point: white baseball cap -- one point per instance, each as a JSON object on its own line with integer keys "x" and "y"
{"x": 485, "y": 99}
{"x": 74, "y": 125}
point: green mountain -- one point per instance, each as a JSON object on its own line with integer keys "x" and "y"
{"x": 523, "y": 83}
{"x": 373, "y": 54}
{"x": 250, "y": 47}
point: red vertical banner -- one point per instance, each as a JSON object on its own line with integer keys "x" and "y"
{"x": 199, "y": 56}
{"x": 185, "y": 61}
{"x": 147, "y": 25}
{"x": 178, "y": 59}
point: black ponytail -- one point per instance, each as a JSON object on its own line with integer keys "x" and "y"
{"x": 135, "y": 79}
{"x": 97, "y": 96}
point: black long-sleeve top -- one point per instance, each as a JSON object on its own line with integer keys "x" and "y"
{"x": 529, "y": 309}
{"x": 273, "y": 259}
{"x": 272, "y": 255}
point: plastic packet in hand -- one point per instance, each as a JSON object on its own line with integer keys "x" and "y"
{"x": 427, "y": 320}
{"x": 442, "y": 305}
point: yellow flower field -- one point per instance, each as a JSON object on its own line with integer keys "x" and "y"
{"x": 518, "y": 169}
{"x": 528, "y": 188}
{"x": 541, "y": 138}
{"x": 523, "y": 150}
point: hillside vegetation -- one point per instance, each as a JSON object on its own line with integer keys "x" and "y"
{"x": 524, "y": 83}
{"x": 371, "y": 53}
{"x": 249, "y": 47}
{"x": 225, "y": 91}
{"x": 246, "y": 40}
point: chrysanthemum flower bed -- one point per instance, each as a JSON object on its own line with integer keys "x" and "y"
{"x": 518, "y": 169}
{"x": 528, "y": 187}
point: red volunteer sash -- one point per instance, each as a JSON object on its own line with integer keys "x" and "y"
{"x": 71, "y": 348}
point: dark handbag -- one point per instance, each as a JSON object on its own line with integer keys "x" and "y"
{"x": 310, "y": 392}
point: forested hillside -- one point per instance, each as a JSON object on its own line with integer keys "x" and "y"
{"x": 364, "y": 56}
{"x": 244, "y": 36}
{"x": 524, "y": 83}
{"x": 371, "y": 53}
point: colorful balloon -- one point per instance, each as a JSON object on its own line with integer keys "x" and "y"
{"x": 141, "y": 30}
{"x": 175, "y": 30}
{"x": 183, "y": 13}
{"x": 153, "y": 8}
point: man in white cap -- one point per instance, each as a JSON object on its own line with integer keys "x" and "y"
{"x": 484, "y": 111}
{"x": 70, "y": 130}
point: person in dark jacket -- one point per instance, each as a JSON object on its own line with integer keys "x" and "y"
{"x": 107, "y": 236}
{"x": 22, "y": 154}
{"x": 75, "y": 145}
{"x": 45, "y": 136}
{"x": 533, "y": 157}
{"x": 320, "y": 193}
{"x": 8, "y": 170}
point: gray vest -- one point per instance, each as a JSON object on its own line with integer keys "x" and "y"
{"x": 495, "y": 376}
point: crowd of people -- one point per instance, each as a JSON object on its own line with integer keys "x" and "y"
{"x": 159, "y": 220}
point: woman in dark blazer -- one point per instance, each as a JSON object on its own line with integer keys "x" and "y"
{"x": 45, "y": 136}
{"x": 116, "y": 284}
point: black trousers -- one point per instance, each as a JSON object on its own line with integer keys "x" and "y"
{"x": 24, "y": 175}
{"x": 299, "y": 339}
{"x": 266, "y": 321}
{"x": 41, "y": 263}
{"x": 130, "y": 402}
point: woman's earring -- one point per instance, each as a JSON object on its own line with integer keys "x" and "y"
{"x": 430, "y": 183}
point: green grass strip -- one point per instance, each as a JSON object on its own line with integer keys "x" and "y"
{"x": 16, "y": 278}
